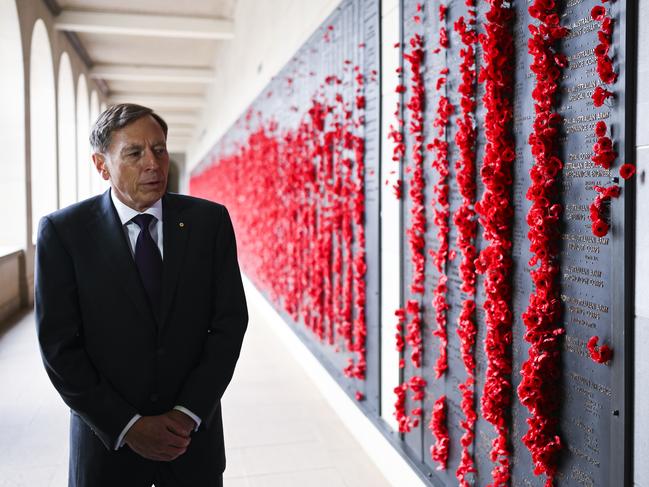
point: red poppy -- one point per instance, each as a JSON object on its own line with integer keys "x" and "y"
{"x": 600, "y": 95}
{"x": 600, "y": 128}
{"x": 403, "y": 420}
{"x": 598, "y": 13}
{"x": 442, "y": 12}
{"x": 600, "y": 228}
{"x": 600, "y": 355}
{"x": 627, "y": 171}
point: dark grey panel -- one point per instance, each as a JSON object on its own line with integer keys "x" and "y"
{"x": 593, "y": 403}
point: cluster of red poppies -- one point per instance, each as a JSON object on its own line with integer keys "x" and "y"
{"x": 406, "y": 422}
{"x": 415, "y": 232}
{"x": 541, "y": 373}
{"x": 304, "y": 243}
{"x": 441, "y": 306}
{"x": 600, "y": 226}
{"x": 439, "y": 450}
{"x": 413, "y": 332}
{"x": 442, "y": 213}
{"x": 600, "y": 95}
{"x": 604, "y": 151}
{"x": 329, "y": 147}
{"x": 395, "y": 133}
{"x": 443, "y": 33}
{"x": 467, "y": 332}
{"x": 415, "y": 107}
{"x": 605, "y": 68}
{"x": 496, "y": 212}
{"x": 466, "y": 223}
{"x": 602, "y": 354}
{"x": 359, "y": 262}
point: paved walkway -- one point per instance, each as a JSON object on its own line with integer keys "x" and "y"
{"x": 279, "y": 430}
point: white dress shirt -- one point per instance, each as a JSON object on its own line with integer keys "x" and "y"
{"x": 131, "y": 231}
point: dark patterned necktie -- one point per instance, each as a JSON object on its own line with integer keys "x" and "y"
{"x": 148, "y": 261}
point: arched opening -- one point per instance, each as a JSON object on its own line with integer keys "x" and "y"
{"x": 97, "y": 184}
{"x": 94, "y": 107}
{"x": 13, "y": 214}
{"x": 84, "y": 162}
{"x": 67, "y": 131}
{"x": 42, "y": 122}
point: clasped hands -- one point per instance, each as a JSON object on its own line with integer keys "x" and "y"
{"x": 161, "y": 438}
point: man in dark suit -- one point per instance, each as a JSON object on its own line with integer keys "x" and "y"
{"x": 140, "y": 313}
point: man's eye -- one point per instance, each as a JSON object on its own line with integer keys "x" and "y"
{"x": 133, "y": 154}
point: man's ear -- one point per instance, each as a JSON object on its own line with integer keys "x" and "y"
{"x": 100, "y": 164}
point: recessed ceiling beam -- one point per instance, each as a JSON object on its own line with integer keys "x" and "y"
{"x": 175, "y": 131}
{"x": 176, "y": 148}
{"x": 176, "y": 143}
{"x": 144, "y": 25}
{"x": 179, "y": 137}
{"x": 182, "y": 119}
{"x": 117, "y": 72}
{"x": 159, "y": 101}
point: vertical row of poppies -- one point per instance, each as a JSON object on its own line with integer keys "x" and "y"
{"x": 466, "y": 223}
{"x": 604, "y": 151}
{"x": 441, "y": 217}
{"x": 541, "y": 372}
{"x": 415, "y": 232}
{"x": 496, "y": 212}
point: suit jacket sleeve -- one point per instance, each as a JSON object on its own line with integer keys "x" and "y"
{"x": 207, "y": 382}
{"x": 60, "y": 334}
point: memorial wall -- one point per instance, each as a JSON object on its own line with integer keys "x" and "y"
{"x": 509, "y": 140}
{"x": 299, "y": 173}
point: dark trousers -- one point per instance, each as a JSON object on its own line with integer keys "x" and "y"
{"x": 91, "y": 465}
{"x": 165, "y": 478}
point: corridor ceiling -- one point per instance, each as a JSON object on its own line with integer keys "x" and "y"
{"x": 158, "y": 53}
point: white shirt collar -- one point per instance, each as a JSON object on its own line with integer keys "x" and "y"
{"x": 126, "y": 213}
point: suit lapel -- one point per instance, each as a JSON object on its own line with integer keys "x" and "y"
{"x": 175, "y": 234}
{"x": 107, "y": 230}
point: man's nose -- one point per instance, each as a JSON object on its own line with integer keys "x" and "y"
{"x": 150, "y": 159}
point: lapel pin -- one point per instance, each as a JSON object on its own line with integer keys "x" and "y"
{"x": 181, "y": 224}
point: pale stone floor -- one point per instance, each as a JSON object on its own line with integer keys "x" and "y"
{"x": 279, "y": 430}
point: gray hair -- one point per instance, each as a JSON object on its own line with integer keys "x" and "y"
{"x": 116, "y": 117}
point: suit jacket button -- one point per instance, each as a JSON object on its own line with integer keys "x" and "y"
{"x": 154, "y": 397}
{"x": 160, "y": 351}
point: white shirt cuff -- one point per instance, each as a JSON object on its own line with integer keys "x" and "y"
{"x": 120, "y": 439}
{"x": 196, "y": 419}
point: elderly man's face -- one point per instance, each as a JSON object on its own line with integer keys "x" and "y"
{"x": 136, "y": 163}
